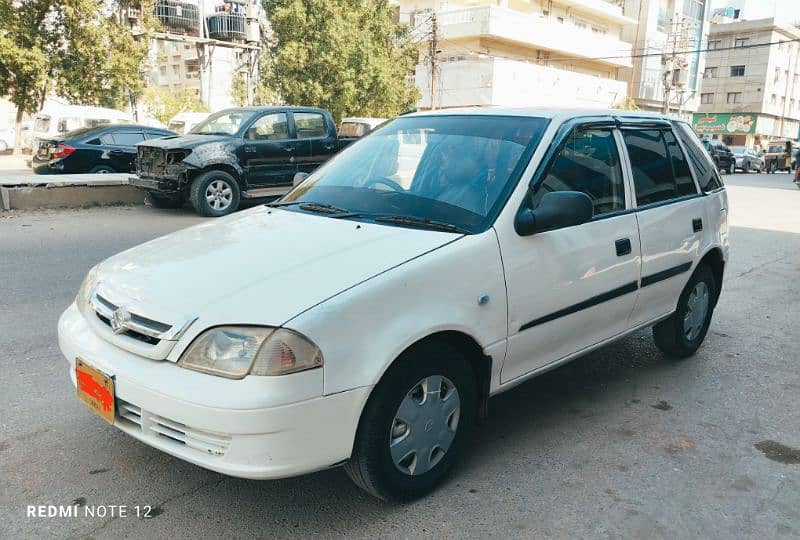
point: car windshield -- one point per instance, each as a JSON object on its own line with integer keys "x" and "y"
{"x": 223, "y": 123}
{"x": 452, "y": 170}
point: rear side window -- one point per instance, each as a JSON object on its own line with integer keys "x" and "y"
{"x": 128, "y": 138}
{"x": 704, "y": 169}
{"x": 654, "y": 165}
{"x": 309, "y": 125}
{"x": 589, "y": 163}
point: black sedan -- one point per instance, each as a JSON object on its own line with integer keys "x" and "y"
{"x": 103, "y": 149}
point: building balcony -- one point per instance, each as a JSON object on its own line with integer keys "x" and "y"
{"x": 565, "y": 39}
{"x": 510, "y": 83}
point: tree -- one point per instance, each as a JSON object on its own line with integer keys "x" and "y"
{"x": 628, "y": 104}
{"x": 77, "y": 48}
{"x": 164, "y": 103}
{"x": 348, "y": 56}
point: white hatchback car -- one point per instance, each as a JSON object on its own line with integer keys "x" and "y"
{"x": 363, "y": 322}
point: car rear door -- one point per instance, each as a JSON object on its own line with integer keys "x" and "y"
{"x": 269, "y": 151}
{"x": 670, "y": 214}
{"x": 571, "y": 288}
{"x": 319, "y": 136}
{"x": 123, "y": 152}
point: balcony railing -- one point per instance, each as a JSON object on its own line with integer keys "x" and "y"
{"x": 533, "y": 31}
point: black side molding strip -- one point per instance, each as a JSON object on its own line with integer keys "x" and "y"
{"x": 586, "y": 304}
{"x": 666, "y": 274}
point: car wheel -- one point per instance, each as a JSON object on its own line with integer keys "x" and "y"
{"x": 102, "y": 169}
{"x": 746, "y": 167}
{"x": 773, "y": 166}
{"x": 157, "y": 201}
{"x": 414, "y": 424}
{"x": 682, "y": 334}
{"x": 732, "y": 168}
{"x": 214, "y": 193}
{"x": 3, "y": 146}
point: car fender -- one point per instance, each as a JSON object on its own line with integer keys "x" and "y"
{"x": 457, "y": 287}
{"x": 213, "y": 154}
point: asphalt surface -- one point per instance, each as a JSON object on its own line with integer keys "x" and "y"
{"x": 620, "y": 443}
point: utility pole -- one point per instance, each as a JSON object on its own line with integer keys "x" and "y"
{"x": 433, "y": 45}
{"x": 674, "y": 60}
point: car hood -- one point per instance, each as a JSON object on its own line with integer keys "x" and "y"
{"x": 261, "y": 266}
{"x": 184, "y": 141}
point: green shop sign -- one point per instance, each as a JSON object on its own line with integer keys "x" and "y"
{"x": 740, "y": 123}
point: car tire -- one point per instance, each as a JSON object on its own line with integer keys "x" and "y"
{"x": 3, "y": 146}
{"x": 102, "y": 169}
{"x": 214, "y": 193}
{"x": 405, "y": 473}
{"x": 732, "y": 168}
{"x": 683, "y": 332}
{"x": 157, "y": 201}
{"x": 746, "y": 167}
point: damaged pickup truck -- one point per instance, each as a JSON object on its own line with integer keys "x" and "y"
{"x": 246, "y": 152}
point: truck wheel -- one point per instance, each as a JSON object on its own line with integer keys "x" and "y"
{"x": 414, "y": 424}
{"x": 214, "y": 194}
{"x": 682, "y": 334}
{"x": 158, "y": 201}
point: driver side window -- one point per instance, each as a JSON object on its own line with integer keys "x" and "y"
{"x": 589, "y": 163}
{"x": 270, "y": 127}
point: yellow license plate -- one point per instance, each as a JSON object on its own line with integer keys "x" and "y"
{"x": 95, "y": 389}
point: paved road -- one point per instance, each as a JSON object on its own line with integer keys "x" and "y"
{"x": 620, "y": 443}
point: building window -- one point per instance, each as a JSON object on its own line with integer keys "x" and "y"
{"x": 737, "y": 71}
{"x": 734, "y": 97}
{"x": 791, "y": 104}
{"x": 740, "y": 42}
{"x": 777, "y": 74}
{"x": 773, "y": 100}
{"x": 714, "y": 44}
{"x": 710, "y": 73}
{"x": 783, "y": 103}
{"x": 707, "y": 98}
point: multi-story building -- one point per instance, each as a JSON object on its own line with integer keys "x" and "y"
{"x": 669, "y": 59}
{"x": 519, "y": 52}
{"x": 751, "y": 90}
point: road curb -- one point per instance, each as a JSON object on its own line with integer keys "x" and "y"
{"x": 26, "y": 192}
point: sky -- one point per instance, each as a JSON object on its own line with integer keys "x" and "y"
{"x": 785, "y": 11}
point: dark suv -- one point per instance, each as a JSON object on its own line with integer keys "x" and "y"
{"x": 721, "y": 154}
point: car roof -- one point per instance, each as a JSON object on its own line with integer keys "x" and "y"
{"x": 557, "y": 114}
{"x": 261, "y": 108}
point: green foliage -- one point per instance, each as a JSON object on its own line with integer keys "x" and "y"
{"x": 76, "y": 48}
{"x": 628, "y": 104}
{"x": 348, "y": 56}
{"x": 164, "y": 103}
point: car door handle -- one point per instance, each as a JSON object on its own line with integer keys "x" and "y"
{"x": 289, "y": 149}
{"x": 697, "y": 225}
{"x": 623, "y": 246}
{"x": 329, "y": 147}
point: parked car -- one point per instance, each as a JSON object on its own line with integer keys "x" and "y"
{"x": 183, "y": 123}
{"x": 778, "y": 156}
{"x": 721, "y": 155}
{"x": 56, "y": 120}
{"x": 7, "y": 137}
{"x": 360, "y": 322}
{"x": 242, "y": 152}
{"x": 358, "y": 126}
{"x": 108, "y": 148}
{"x": 747, "y": 159}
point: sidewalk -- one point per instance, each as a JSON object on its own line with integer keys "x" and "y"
{"x": 16, "y": 164}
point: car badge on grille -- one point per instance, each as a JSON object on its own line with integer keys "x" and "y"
{"x": 119, "y": 320}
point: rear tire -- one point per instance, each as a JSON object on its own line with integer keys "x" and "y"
{"x": 732, "y": 168}
{"x": 409, "y": 437}
{"x": 102, "y": 169}
{"x": 214, "y": 193}
{"x": 682, "y": 334}
{"x": 746, "y": 167}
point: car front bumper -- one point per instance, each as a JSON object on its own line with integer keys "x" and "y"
{"x": 191, "y": 422}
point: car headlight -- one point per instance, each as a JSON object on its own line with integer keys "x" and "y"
{"x": 82, "y": 300}
{"x": 237, "y": 351}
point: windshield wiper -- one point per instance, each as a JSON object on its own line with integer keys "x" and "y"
{"x": 422, "y": 223}
{"x": 320, "y": 208}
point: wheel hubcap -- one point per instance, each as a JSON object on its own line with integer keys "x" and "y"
{"x": 697, "y": 309}
{"x": 425, "y": 425}
{"x": 219, "y": 195}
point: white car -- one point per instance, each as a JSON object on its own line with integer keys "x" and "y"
{"x": 361, "y": 323}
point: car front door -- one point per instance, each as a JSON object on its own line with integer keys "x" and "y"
{"x": 671, "y": 218}
{"x": 269, "y": 151}
{"x": 320, "y": 137}
{"x": 574, "y": 287}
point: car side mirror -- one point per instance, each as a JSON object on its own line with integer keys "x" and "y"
{"x": 299, "y": 177}
{"x": 556, "y": 210}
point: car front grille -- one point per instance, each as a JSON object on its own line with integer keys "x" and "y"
{"x": 159, "y": 163}
{"x": 152, "y": 425}
{"x": 136, "y": 327}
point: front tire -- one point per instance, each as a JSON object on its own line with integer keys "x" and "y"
{"x": 732, "y": 168}
{"x": 214, "y": 194}
{"x": 682, "y": 334}
{"x": 414, "y": 424}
